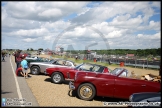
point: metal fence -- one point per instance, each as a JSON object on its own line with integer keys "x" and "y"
{"x": 134, "y": 61}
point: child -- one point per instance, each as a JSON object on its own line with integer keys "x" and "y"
{"x": 19, "y": 71}
{"x": 24, "y": 64}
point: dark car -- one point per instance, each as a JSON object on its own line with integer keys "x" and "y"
{"x": 119, "y": 83}
{"x": 150, "y": 99}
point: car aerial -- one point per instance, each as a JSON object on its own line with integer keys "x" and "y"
{"x": 40, "y": 67}
{"x": 152, "y": 98}
{"x": 60, "y": 74}
{"x": 119, "y": 83}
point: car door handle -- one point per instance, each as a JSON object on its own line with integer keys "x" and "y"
{"x": 143, "y": 85}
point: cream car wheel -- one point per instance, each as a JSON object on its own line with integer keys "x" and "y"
{"x": 86, "y": 91}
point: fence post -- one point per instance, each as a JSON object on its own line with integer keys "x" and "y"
{"x": 147, "y": 63}
{"x": 135, "y": 61}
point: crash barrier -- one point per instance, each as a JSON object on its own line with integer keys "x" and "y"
{"x": 121, "y": 64}
{"x": 127, "y": 62}
{"x": 139, "y": 65}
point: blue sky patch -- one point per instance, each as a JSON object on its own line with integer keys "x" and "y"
{"x": 110, "y": 19}
{"x": 155, "y": 17}
{"x": 69, "y": 17}
{"x": 3, "y": 3}
{"x": 94, "y": 4}
{"x": 146, "y": 32}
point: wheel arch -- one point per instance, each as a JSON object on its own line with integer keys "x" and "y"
{"x": 36, "y": 66}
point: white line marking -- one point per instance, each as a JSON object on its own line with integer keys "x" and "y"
{"x": 17, "y": 85}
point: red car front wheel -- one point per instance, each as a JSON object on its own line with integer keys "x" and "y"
{"x": 57, "y": 78}
{"x": 86, "y": 91}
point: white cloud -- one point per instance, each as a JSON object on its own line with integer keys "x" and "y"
{"x": 47, "y": 38}
{"x": 127, "y": 21}
{"x": 147, "y": 37}
{"x": 29, "y": 40}
{"x": 122, "y": 23}
{"x": 50, "y": 13}
{"x": 154, "y": 25}
{"x": 156, "y": 4}
{"x": 26, "y": 33}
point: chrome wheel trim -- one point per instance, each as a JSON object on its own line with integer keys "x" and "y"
{"x": 86, "y": 91}
{"x": 56, "y": 78}
{"x": 34, "y": 70}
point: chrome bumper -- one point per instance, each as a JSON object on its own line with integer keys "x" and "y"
{"x": 46, "y": 73}
{"x": 71, "y": 85}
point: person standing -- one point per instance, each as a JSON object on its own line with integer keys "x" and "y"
{"x": 9, "y": 54}
{"x": 24, "y": 65}
{"x": 3, "y": 56}
{"x": 76, "y": 57}
{"x": 14, "y": 54}
{"x": 18, "y": 58}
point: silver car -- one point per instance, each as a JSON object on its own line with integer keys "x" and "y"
{"x": 40, "y": 67}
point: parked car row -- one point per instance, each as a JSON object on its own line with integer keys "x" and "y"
{"x": 89, "y": 80}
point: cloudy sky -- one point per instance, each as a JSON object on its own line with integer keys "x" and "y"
{"x": 82, "y": 25}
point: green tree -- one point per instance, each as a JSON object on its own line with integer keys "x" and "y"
{"x": 31, "y": 49}
{"x": 40, "y": 49}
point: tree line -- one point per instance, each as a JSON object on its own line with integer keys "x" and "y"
{"x": 138, "y": 52}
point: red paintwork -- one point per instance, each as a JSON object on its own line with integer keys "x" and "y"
{"x": 25, "y": 54}
{"x": 67, "y": 70}
{"x": 63, "y": 70}
{"x": 106, "y": 70}
{"x": 108, "y": 85}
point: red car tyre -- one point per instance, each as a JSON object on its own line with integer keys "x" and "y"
{"x": 57, "y": 78}
{"x": 86, "y": 91}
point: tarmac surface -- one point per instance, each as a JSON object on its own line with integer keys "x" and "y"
{"x": 14, "y": 90}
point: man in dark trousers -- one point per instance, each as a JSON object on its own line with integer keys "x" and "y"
{"x": 14, "y": 54}
{"x": 3, "y": 56}
{"x": 18, "y": 58}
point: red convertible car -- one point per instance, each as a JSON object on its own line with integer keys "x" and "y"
{"x": 59, "y": 74}
{"x": 118, "y": 84}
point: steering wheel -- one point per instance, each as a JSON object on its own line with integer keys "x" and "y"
{"x": 80, "y": 69}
